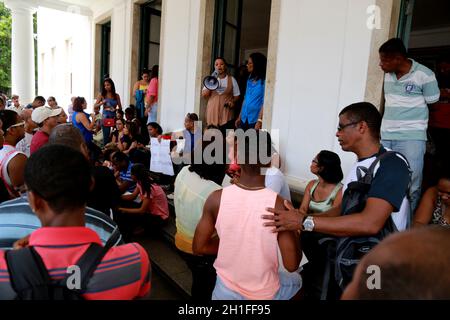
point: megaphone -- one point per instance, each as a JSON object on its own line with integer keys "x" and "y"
{"x": 212, "y": 82}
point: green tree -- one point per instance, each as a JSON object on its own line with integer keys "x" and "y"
{"x": 5, "y": 49}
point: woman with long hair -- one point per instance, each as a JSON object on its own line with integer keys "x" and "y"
{"x": 153, "y": 210}
{"x": 151, "y": 98}
{"x": 140, "y": 91}
{"x": 221, "y": 102}
{"x": 110, "y": 101}
{"x": 252, "y": 109}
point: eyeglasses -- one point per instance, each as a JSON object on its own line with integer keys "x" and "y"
{"x": 20, "y": 124}
{"x": 343, "y": 126}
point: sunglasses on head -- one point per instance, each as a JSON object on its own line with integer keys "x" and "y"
{"x": 19, "y": 124}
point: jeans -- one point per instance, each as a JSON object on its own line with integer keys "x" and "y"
{"x": 153, "y": 114}
{"x": 289, "y": 286}
{"x": 414, "y": 151}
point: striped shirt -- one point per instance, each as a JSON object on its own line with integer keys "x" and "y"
{"x": 123, "y": 274}
{"x": 406, "y": 111}
{"x": 18, "y": 221}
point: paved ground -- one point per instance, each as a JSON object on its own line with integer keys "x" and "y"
{"x": 162, "y": 289}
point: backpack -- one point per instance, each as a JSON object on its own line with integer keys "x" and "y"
{"x": 348, "y": 251}
{"x": 30, "y": 279}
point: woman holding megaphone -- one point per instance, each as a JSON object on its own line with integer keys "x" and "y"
{"x": 221, "y": 95}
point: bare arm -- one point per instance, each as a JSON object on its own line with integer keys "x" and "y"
{"x": 426, "y": 207}
{"x": 289, "y": 244}
{"x": 261, "y": 113}
{"x": 85, "y": 122}
{"x": 338, "y": 200}
{"x": 206, "y": 93}
{"x": 136, "y": 87}
{"x": 141, "y": 210}
{"x": 16, "y": 170}
{"x": 123, "y": 146}
{"x": 133, "y": 146}
{"x": 99, "y": 101}
{"x": 304, "y": 207}
{"x": 369, "y": 222}
{"x": 203, "y": 242}
{"x": 119, "y": 102}
{"x": 260, "y": 117}
{"x": 130, "y": 197}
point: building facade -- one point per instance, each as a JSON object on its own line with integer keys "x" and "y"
{"x": 322, "y": 56}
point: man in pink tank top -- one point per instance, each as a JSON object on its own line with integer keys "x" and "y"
{"x": 247, "y": 258}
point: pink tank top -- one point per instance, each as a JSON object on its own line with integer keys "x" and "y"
{"x": 247, "y": 261}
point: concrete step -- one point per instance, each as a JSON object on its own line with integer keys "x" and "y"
{"x": 165, "y": 258}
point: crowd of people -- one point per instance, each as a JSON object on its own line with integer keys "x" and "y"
{"x": 74, "y": 184}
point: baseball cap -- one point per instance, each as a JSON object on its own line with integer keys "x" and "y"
{"x": 41, "y": 114}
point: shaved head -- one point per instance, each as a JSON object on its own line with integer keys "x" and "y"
{"x": 413, "y": 265}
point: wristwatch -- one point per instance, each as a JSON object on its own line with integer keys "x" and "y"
{"x": 308, "y": 224}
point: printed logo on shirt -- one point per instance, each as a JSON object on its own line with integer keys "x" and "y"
{"x": 410, "y": 87}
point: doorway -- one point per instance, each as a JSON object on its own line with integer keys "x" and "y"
{"x": 150, "y": 38}
{"x": 241, "y": 27}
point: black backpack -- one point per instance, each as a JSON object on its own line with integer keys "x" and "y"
{"x": 346, "y": 252}
{"x": 30, "y": 279}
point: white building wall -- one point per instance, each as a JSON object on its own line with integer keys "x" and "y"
{"x": 322, "y": 61}
{"x": 322, "y": 58}
{"x": 180, "y": 58}
{"x": 57, "y": 58}
{"x": 120, "y": 12}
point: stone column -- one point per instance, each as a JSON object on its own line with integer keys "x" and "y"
{"x": 22, "y": 49}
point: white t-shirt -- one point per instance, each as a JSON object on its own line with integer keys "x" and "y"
{"x": 25, "y": 144}
{"x": 223, "y": 86}
{"x": 400, "y": 217}
{"x": 276, "y": 182}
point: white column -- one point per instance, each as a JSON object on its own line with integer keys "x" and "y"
{"x": 22, "y": 49}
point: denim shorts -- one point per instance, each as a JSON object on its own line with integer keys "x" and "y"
{"x": 290, "y": 284}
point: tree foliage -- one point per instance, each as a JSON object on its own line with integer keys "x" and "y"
{"x": 5, "y": 48}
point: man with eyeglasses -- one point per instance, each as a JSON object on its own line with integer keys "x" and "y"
{"x": 12, "y": 161}
{"x": 358, "y": 132}
{"x": 47, "y": 119}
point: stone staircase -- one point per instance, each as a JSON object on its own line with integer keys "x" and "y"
{"x": 165, "y": 258}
